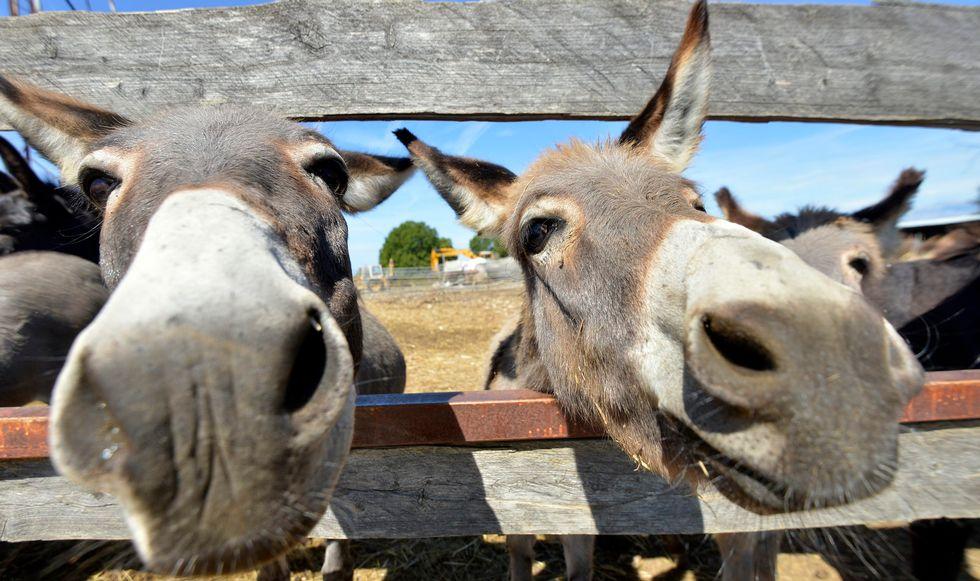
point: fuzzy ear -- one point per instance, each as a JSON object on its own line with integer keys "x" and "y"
{"x": 887, "y": 212}
{"x": 18, "y": 167}
{"x": 669, "y": 127}
{"x": 884, "y": 215}
{"x": 42, "y": 194}
{"x": 373, "y": 178}
{"x": 478, "y": 191}
{"x": 60, "y": 127}
{"x": 7, "y": 185}
{"x": 733, "y": 212}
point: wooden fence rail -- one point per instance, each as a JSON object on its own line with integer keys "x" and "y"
{"x": 512, "y": 59}
{"x": 555, "y": 484}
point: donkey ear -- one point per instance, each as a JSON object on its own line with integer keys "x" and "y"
{"x": 42, "y": 194}
{"x": 373, "y": 178}
{"x": 18, "y": 167}
{"x": 7, "y": 185}
{"x": 477, "y": 190}
{"x": 734, "y": 212}
{"x": 669, "y": 127}
{"x": 883, "y": 216}
{"x": 60, "y": 127}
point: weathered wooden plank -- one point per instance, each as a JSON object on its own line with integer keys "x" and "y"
{"x": 580, "y": 486}
{"x": 420, "y": 419}
{"x": 512, "y": 59}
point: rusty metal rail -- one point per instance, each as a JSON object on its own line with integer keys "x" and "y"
{"x": 462, "y": 418}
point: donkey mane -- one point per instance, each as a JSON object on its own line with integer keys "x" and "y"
{"x": 809, "y": 217}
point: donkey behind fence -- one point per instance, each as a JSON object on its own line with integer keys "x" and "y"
{"x": 698, "y": 357}
{"x": 213, "y": 393}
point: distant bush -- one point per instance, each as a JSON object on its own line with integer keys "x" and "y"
{"x": 479, "y": 244}
{"x": 410, "y": 243}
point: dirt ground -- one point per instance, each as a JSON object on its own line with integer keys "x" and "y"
{"x": 445, "y": 335}
{"x": 853, "y": 553}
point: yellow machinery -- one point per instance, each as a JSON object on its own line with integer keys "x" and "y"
{"x": 439, "y": 255}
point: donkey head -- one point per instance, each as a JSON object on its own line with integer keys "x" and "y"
{"x": 34, "y": 215}
{"x": 696, "y": 342}
{"x": 213, "y": 393}
{"x": 853, "y": 249}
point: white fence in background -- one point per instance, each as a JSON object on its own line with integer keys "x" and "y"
{"x": 503, "y": 270}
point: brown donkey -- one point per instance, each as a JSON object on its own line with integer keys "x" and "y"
{"x": 213, "y": 394}
{"x": 691, "y": 339}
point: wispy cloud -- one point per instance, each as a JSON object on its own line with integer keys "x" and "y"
{"x": 364, "y": 136}
{"x": 468, "y": 137}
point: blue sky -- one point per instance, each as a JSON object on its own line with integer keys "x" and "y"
{"x": 771, "y": 167}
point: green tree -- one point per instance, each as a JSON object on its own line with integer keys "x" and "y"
{"x": 478, "y": 244}
{"x": 409, "y": 244}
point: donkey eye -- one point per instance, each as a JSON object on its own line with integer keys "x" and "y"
{"x": 698, "y": 206}
{"x": 331, "y": 171}
{"x": 98, "y": 185}
{"x": 537, "y": 233}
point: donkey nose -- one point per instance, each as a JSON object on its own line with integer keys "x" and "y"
{"x": 733, "y": 352}
{"x": 736, "y": 343}
{"x": 210, "y": 374}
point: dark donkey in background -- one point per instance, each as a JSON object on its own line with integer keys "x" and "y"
{"x": 213, "y": 394}
{"x": 695, "y": 353}
{"x": 46, "y": 298}
{"x": 37, "y": 215}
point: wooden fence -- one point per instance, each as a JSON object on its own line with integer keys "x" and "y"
{"x": 470, "y": 463}
{"x": 512, "y": 59}
{"x": 437, "y": 464}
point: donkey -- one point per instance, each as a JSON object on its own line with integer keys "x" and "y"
{"x": 46, "y": 299}
{"x": 695, "y": 352}
{"x": 213, "y": 393}
{"x": 933, "y": 303}
{"x": 36, "y": 215}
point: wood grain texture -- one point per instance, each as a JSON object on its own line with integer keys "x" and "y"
{"x": 583, "y": 486}
{"x": 511, "y": 59}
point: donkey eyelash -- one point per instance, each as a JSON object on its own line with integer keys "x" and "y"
{"x": 88, "y": 178}
{"x": 537, "y": 232}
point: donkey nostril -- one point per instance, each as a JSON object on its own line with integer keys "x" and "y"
{"x": 308, "y": 367}
{"x": 736, "y": 345}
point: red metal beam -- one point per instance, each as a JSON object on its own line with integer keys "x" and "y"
{"x": 947, "y": 396}
{"x": 490, "y": 416}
